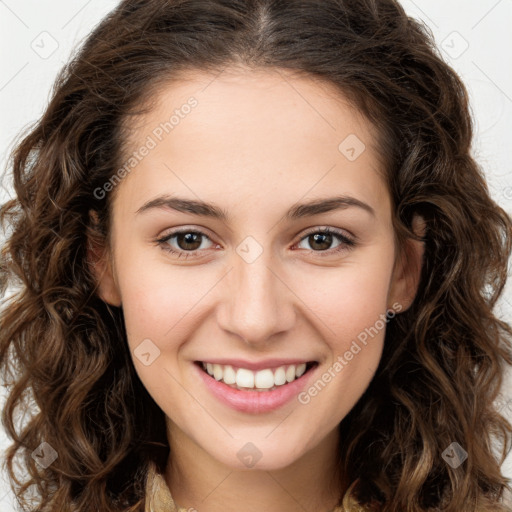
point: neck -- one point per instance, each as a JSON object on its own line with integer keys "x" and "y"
{"x": 199, "y": 481}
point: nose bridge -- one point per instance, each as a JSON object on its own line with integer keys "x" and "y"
{"x": 256, "y": 304}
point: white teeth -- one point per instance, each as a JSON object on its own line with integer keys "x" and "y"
{"x": 217, "y": 371}
{"x": 261, "y": 380}
{"x": 244, "y": 378}
{"x": 279, "y": 376}
{"x": 264, "y": 379}
{"x": 290, "y": 373}
{"x": 300, "y": 369}
{"x": 229, "y": 375}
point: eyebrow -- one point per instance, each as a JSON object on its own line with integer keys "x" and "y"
{"x": 298, "y": 211}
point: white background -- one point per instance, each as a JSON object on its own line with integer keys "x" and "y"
{"x": 37, "y": 39}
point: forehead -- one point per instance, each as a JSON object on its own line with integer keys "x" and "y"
{"x": 241, "y": 131}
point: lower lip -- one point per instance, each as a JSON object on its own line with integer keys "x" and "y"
{"x": 255, "y": 402}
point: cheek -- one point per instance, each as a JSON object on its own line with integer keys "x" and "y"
{"x": 352, "y": 311}
{"x": 349, "y": 306}
{"x": 347, "y": 300}
{"x": 158, "y": 305}
{"x": 157, "y": 298}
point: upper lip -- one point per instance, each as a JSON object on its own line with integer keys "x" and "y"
{"x": 257, "y": 365}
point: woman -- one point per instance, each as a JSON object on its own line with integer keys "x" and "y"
{"x": 188, "y": 343}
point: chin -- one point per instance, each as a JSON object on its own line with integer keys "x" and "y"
{"x": 258, "y": 454}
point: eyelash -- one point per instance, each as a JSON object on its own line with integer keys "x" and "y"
{"x": 345, "y": 245}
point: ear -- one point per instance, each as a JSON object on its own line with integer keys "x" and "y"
{"x": 407, "y": 272}
{"x": 101, "y": 266}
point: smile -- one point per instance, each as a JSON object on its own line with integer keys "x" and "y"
{"x": 255, "y": 391}
{"x": 266, "y": 379}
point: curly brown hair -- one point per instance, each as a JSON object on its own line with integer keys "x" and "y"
{"x": 64, "y": 352}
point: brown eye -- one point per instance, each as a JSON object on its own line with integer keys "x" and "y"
{"x": 188, "y": 241}
{"x": 185, "y": 242}
{"x": 321, "y": 240}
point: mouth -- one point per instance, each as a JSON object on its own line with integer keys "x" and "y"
{"x": 263, "y": 380}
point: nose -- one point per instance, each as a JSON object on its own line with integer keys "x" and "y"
{"x": 257, "y": 302}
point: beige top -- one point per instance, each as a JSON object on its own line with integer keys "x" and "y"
{"x": 159, "y": 497}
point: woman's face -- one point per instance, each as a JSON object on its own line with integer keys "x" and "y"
{"x": 254, "y": 289}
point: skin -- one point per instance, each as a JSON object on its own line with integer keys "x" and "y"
{"x": 257, "y": 143}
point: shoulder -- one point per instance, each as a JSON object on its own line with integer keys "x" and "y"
{"x": 158, "y": 494}
{"x": 351, "y": 504}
